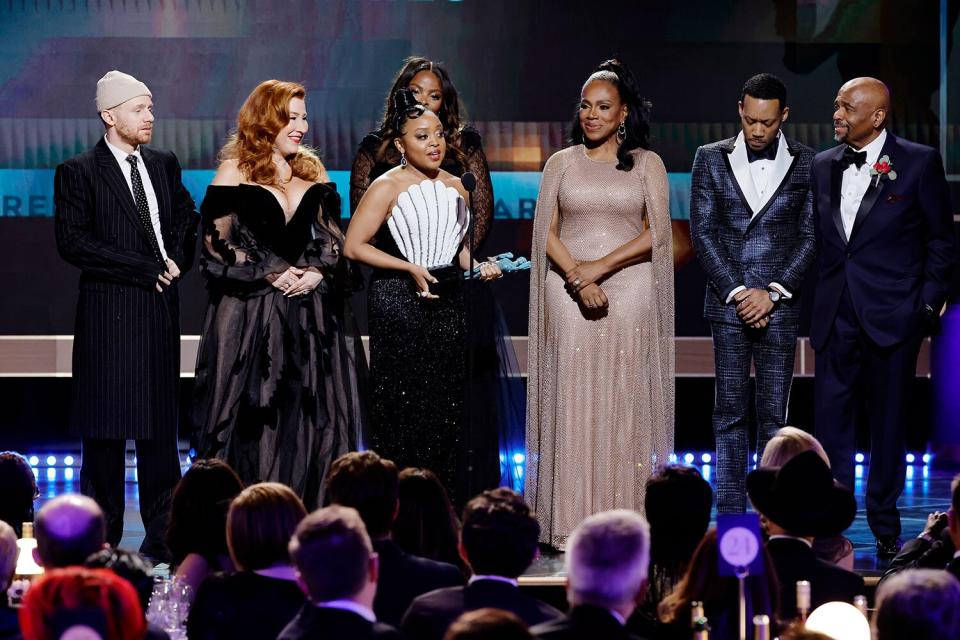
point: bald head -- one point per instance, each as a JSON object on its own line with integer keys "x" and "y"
{"x": 860, "y": 111}
{"x": 69, "y": 528}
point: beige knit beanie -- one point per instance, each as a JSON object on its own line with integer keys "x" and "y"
{"x": 117, "y": 87}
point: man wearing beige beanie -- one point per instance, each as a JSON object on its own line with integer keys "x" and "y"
{"x": 125, "y": 219}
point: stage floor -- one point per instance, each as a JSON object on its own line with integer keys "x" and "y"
{"x": 927, "y": 490}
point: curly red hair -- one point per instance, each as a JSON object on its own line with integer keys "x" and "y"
{"x": 263, "y": 115}
{"x": 50, "y": 601}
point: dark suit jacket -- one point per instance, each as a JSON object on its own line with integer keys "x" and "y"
{"x": 954, "y": 568}
{"x": 736, "y": 248}
{"x": 126, "y": 352}
{"x": 334, "y": 624}
{"x": 901, "y": 253}
{"x": 403, "y": 577}
{"x": 432, "y": 613}
{"x": 795, "y": 561}
{"x": 584, "y": 622}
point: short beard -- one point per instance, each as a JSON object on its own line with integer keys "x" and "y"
{"x": 133, "y": 137}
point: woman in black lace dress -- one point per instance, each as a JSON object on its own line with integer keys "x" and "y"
{"x": 280, "y": 383}
{"x": 409, "y": 226}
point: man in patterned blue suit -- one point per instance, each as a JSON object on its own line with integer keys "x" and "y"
{"x": 752, "y": 227}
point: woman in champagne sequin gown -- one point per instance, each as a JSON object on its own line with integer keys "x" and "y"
{"x": 600, "y": 362}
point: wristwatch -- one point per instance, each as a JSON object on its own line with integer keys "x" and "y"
{"x": 775, "y": 296}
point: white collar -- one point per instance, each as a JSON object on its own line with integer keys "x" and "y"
{"x": 512, "y": 581}
{"x": 789, "y": 537}
{"x": 874, "y": 148}
{"x": 348, "y": 605}
{"x": 120, "y": 154}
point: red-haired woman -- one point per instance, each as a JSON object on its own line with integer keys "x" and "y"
{"x": 280, "y": 372}
{"x": 81, "y": 599}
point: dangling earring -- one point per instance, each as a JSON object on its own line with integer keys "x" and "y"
{"x": 622, "y": 130}
{"x": 403, "y": 159}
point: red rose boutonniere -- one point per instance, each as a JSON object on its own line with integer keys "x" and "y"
{"x": 883, "y": 168}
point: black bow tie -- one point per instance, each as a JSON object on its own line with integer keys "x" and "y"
{"x": 770, "y": 153}
{"x": 851, "y": 156}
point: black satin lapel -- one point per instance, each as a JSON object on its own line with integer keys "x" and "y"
{"x": 866, "y": 205}
{"x": 118, "y": 184}
{"x": 836, "y": 182}
{"x": 773, "y": 196}
{"x": 733, "y": 179}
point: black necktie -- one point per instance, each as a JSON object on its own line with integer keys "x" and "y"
{"x": 140, "y": 197}
{"x": 770, "y": 153}
{"x": 851, "y": 156}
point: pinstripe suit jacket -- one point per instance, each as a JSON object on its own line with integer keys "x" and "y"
{"x": 126, "y": 351}
{"x": 738, "y": 248}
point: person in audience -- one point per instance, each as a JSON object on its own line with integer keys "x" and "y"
{"x": 368, "y": 483}
{"x": 786, "y": 443}
{"x": 426, "y": 523}
{"x": 9, "y": 627}
{"x": 135, "y": 569}
{"x": 76, "y": 602}
{"x": 197, "y": 530}
{"x": 498, "y": 541}
{"x": 918, "y": 604}
{"x": 719, "y": 594}
{"x": 69, "y": 528}
{"x": 259, "y": 599}
{"x": 674, "y": 534}
{"x": 799, "y": 632}
{"x": 608, "y": 555}
{"x": 936, "y": 546}
{"x": 488, "y": 624}
{"x": 19, "y": 490}
{"x": 801, "y": 501}
{"x": 337, "y": 569}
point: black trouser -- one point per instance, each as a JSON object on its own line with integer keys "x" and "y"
{"x": 854, "y": 374}
{"x": 102, "y": 477}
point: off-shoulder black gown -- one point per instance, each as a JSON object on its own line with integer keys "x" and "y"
{"x": 280, "y": 385}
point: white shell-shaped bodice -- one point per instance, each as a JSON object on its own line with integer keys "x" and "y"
{"x": 428, "y": 223}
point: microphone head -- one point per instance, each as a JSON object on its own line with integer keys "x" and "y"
{"x": 469, "y": 181}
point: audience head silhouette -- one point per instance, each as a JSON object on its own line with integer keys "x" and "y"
{"x": 500, "y": 534}
{"x": 68, "y": 529}
{"x": 368, "y": 483}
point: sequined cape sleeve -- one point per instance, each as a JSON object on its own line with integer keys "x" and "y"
{"x": 546, "y": 209}
{"x": 656, "y": 198}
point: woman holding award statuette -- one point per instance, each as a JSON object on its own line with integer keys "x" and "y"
{"x": 410, "y": 227}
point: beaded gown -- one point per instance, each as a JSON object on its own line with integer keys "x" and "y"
{"x": 280, "y": 386}
{"x": 600, "y": 388}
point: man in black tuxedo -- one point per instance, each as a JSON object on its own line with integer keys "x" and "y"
{"x": 607, "y": 559}
{"x": 498, "y": 541}
{"x": 801, "y": 501}
{"x": 337, "y": 569}
{"x": 125, "y": 219}
{"x": 886, "y": 255}
{"x": 370, "y": 484}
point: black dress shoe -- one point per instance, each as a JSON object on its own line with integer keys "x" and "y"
{"x": 888, "y": 547}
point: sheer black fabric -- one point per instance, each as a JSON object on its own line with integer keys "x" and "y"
{"x": 243, "y": 605}
{"x": 367, "y": 168}
{"x": 281, "y": 382}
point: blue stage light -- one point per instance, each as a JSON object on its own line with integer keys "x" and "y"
{"x": 706, "y": 458}
{"x": 910, "y": 473}
{"x": 858, "y": 471}
{"x": 858, "y": 458}
{"x": 51, "y": 461}
{"x": 673, "y": 458}
{"x": 705, "y": 471}
{"x": 911, "y": 458}
{"x": 33, "y": 460}
{"x": 688, "y": 458}
{"x": 518, "y": 458}
{"x": 503, "y": 459}
{"x": 926, "y": 458}
{"x": 51, "y": 475}
{"x": 68, "y": 475}
{"x": 68, "y": 461}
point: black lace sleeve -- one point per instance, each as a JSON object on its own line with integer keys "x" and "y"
{"x": 325, "y": 251}
{"x": 483, "y": 201}
{"x": 231, "y": 252}
{"x": 361, "y": 172}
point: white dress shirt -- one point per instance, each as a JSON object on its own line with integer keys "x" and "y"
{"x": 126, "y": 169}
{"x": 349, "y": 605}
{"x": 855, "y": 183}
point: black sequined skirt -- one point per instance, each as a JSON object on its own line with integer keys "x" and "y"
{"x": 417, "y": 367}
